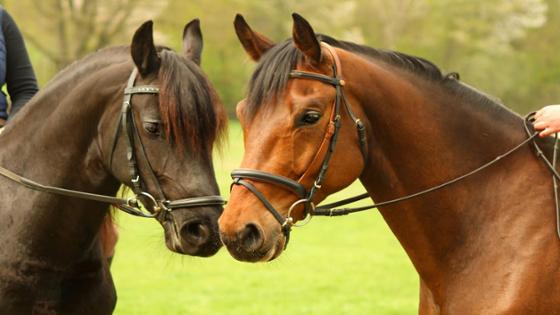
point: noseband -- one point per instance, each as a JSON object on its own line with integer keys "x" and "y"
{"x": 319, "y": 163}
{"x": 128, "y": 124}
{"x": 326, "y": 150}
{"x": 155, "y": 206}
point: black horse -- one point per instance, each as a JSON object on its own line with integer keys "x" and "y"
{"x": 78, "y": 134}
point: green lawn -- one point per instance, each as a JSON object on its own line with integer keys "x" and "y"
{"x": 345, "y": 265}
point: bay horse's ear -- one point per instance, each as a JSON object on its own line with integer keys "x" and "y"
{"x": 254, "y": 43}
{"x": 192, "y": 41}
{"x": 143, "y": 50}
{"x": 305, "y": 39}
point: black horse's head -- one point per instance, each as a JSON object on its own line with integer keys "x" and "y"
{"x": 162, "y": 147}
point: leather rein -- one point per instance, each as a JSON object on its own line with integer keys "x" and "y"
{"x": 155, "y": 206}
{"x": 326, "y": 150}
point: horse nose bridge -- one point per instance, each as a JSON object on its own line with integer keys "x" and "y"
{"x": 193, "y": 175}
{"x": 179, "y": 189}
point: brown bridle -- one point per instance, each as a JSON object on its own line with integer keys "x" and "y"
{"x": 157, "y": 207}
{"x": 321, "y": 160}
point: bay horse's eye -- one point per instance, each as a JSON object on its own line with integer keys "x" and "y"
{"x": 152, "y": 127}
{"x": 310, "y": 117}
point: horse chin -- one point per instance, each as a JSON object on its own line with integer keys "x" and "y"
{"x": 262, "y": 255}
{"x": 276, "y": 250}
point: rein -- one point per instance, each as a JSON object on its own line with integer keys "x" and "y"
{"x": 129, "y": 205}
{"x": 326, "y": 150}
{"x": 330, "y": 209}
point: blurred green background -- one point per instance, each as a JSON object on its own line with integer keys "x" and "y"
{"x": 344, "y": 265}
{"x": 348, "y": 265}
{"x": 507, "y": 48}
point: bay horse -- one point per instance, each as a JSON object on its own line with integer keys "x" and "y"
{"x": 143, "y": 116}
{"x": 484, "y": 245}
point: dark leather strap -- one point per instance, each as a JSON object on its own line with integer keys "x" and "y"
{"x": 261, "y": 176}
{"x": 285, "y": 223}
{"x": 193, "y": 202}
{"x": 320, "y": 162}
{"x": 331, "y": 137}
{"x": 130, "y": 205}
{"x": 329, "y": 210}
{"x": 334, "y": 81}
{"x": 134, "y": 141}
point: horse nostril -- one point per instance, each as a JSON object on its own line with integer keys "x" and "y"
{"x": 251, "y": 237}
{"x": 195, "y": 233}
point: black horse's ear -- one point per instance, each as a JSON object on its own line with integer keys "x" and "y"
{"x": 255, "y": 44}
{"x": 305, "y": 39}
{"x": 192, "y": 41}
{"x": 143, "y": 50}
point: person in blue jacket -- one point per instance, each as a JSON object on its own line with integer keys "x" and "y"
{"x": 15, "y": 68}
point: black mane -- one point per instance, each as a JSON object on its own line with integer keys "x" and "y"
{"x": 272, "y": 73}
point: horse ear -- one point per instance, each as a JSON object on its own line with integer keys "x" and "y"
{"x": 305, "y": 39}
{"x": 254, "y": 43}
{"x": 143, "y": 50}
{"x": 192, "y": 41}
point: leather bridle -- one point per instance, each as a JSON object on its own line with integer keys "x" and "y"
{"x": 321, "y": 159}
{"x": 326, "y": 149}
{"x": 155, "y": 206}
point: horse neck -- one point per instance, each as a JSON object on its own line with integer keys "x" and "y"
{"x": 421, "y": 135}
{"x": 53, "y": 141}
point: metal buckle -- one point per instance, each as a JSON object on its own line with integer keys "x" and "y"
{"x": 290, "y": 220}
{"x": 164, "y": 205}
{"x": 156, "y": 205}
{"x": 132, "y": 202}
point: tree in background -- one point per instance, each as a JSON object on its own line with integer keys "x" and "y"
{"x": 507, "y": 48}
{"x": 63, "y": 31}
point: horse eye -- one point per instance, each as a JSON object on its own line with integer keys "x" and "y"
{"x": 152, "y": 128}
{"x": 310, "y": 117}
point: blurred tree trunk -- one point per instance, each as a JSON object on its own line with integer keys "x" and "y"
{"x": 66, "y": 30}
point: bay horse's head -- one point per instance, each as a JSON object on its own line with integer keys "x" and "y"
{"x": 289, "y": 120}
{"x": 161, "y": 146}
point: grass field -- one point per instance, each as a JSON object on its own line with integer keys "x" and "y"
{"x": 345, "y": 265}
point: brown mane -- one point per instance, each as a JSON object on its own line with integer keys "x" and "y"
{"x": 192, "y": 113}
{"x": 190, "y": 108}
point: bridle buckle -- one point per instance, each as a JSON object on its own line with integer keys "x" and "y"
{"x": 155, "y": 205}
{"x": 308, "y": 214}
{"x": 317, "y": 185}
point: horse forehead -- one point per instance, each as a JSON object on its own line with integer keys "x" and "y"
{"x": 269, "y": 124}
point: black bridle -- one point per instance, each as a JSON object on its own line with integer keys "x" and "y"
{"x": 155, "y": 206}
{"x": 325, "y": 152}
{"x": 305, "y": 196}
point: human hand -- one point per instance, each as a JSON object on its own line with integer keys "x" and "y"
{"x": 547, "y": 120}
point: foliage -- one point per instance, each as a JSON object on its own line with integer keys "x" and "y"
{"x": 62, "y": 31}
{"x": 507, "y": 48}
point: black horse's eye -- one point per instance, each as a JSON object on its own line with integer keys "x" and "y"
{"x": 310, "y": 117}
{"x": 152, "y": 127}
